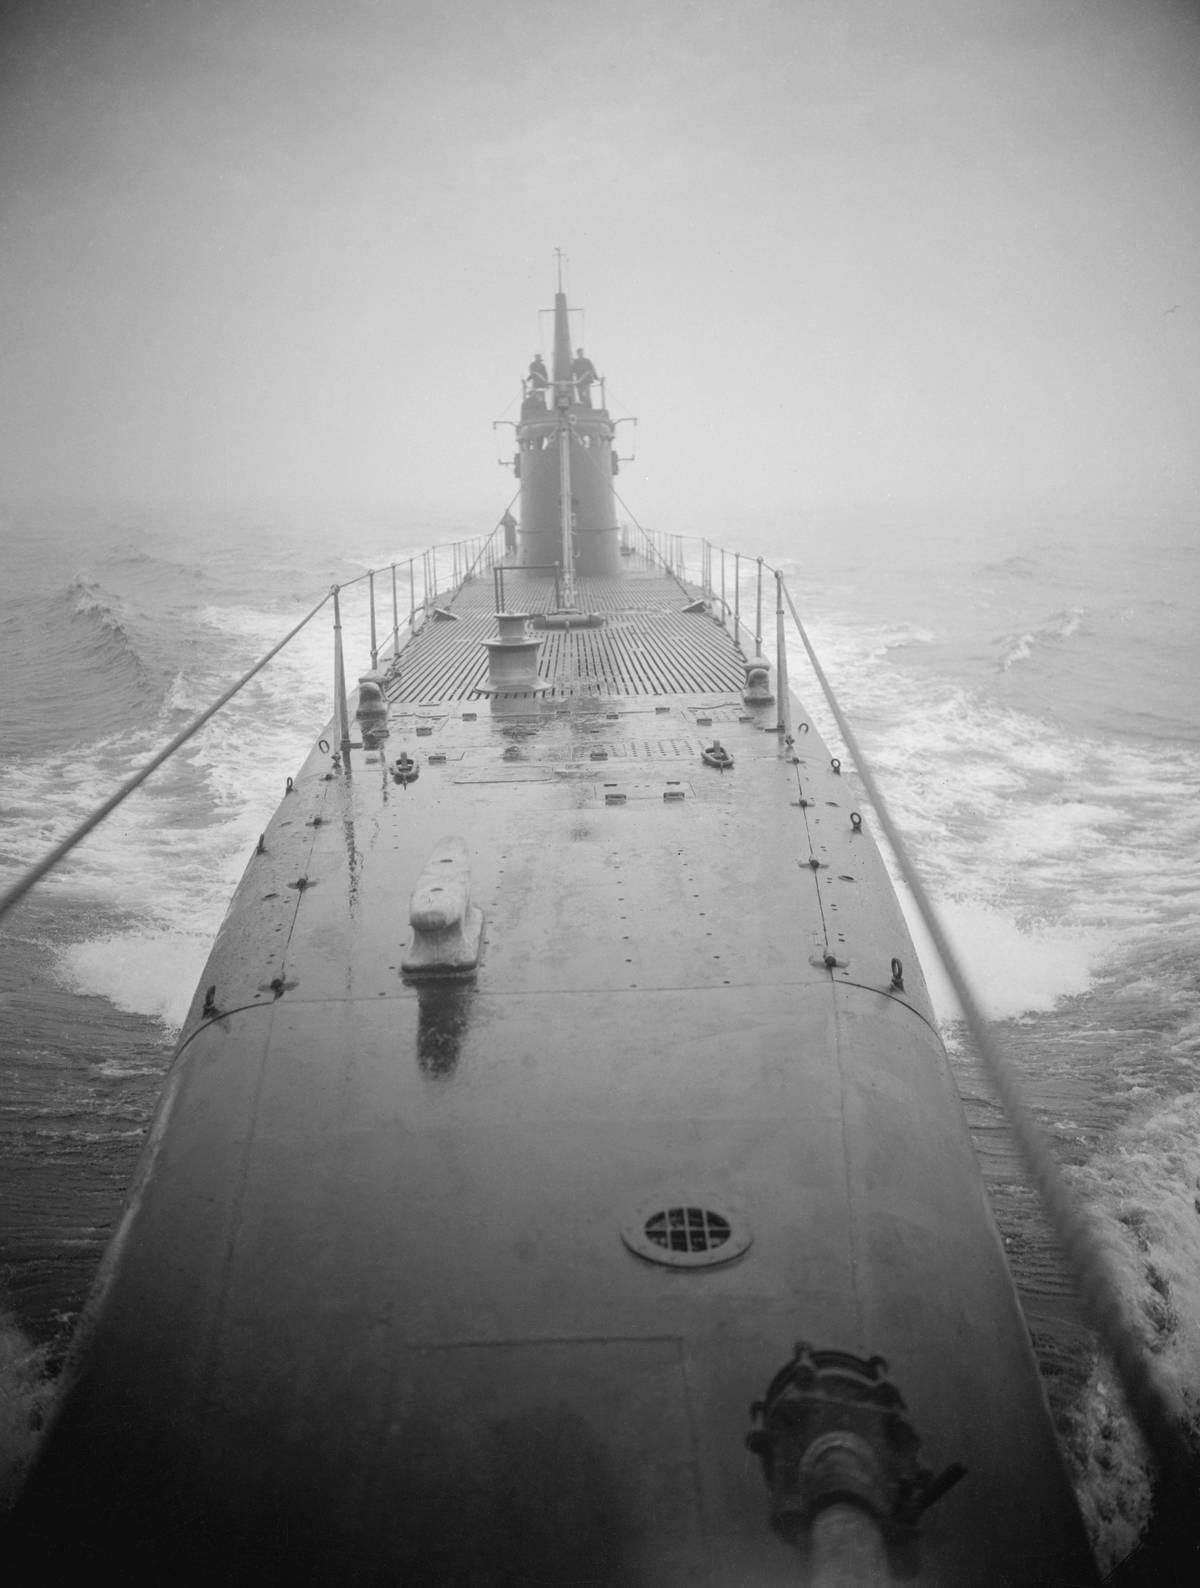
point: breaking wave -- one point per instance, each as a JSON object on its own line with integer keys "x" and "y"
{"x": 74, "y": 668}
{"x": 1057, "y": 628}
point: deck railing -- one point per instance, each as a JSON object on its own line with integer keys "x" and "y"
{"x": 723, "y": 577}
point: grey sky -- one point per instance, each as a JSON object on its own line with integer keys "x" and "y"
{"x": 905, "y": 252}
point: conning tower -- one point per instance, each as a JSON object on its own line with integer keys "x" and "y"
{"x": 565, "y": 462}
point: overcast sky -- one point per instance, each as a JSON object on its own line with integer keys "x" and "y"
{"x": 864, "y": 251}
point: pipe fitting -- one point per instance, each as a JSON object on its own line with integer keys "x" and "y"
{"x": 834, "y": 1430}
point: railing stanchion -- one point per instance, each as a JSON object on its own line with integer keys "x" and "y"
{"x": 395, "y": 615}
{"x": 374, "y": 641}
{"x": 341, "y": 715}
{"x": 724, "y": 609}
{"x": 758, "y": 614}
{"x": 737, "y": 598}
{"x": 412, "y": 593}
{"x": 781, "y": 678}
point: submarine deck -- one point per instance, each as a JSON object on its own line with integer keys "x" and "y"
{"x": 429, "y": 1322}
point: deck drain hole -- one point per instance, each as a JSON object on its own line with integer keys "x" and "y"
{"x": 692, "y": 1234}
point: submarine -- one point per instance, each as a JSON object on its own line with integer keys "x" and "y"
{"x": 560, "y": 1179}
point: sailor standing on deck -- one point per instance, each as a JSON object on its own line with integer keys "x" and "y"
{"x": 583, "y": 373}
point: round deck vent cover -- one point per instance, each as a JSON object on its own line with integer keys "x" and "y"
{"x": 692, "y": 1232}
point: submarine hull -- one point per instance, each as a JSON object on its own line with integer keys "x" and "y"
{"x": 389, "y": 1302}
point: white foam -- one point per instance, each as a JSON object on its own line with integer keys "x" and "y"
{"x": 146, "y": 973}
{"x": 1012, "y": 967}
{"x": 26, "y": 1394}
{"x": 1059, "y": 626}
{"x": 1114, "y": 1489}
{"x": 1048, "y": 854}
{"x": 1144, "y": 1191}
{"x": 170, "y": 856}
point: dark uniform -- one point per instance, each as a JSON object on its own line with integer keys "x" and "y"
{"x": 583, "y": 373}
{"x": 536, "y": 383}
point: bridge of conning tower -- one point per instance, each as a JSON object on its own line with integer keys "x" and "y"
{"x": 565, "y": 462}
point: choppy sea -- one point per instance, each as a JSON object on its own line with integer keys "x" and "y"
{"x": 1025, "y": 685}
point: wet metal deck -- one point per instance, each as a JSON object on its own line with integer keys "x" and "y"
{"x": 648, "y": 645}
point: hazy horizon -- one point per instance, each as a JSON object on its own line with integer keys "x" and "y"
{"x": 831, "y": 254}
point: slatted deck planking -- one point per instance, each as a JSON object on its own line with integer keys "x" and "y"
{"x": 648, "y": 645}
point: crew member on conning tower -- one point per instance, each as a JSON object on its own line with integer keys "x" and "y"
{"x": 583, "y": 373}
{"x": 536, "y": 383}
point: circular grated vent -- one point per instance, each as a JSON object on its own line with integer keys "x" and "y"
{"x": 687, "y": 1229}
{"x": 687, "y": 1234}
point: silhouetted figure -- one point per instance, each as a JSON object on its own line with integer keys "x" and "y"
{"x": 583, "y": 373}
{"x": 536, "y": 383}
{"x": 509, "y": 525}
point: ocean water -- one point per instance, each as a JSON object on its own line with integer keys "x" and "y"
{"x": 1025, "y": 688}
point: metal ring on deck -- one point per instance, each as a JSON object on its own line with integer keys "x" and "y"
{"x": 717, "y": 755}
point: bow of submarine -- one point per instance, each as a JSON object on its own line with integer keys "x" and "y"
{"x": 386, "y": 1303}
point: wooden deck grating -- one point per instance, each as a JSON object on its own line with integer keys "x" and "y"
{"x": 534, "y": 592}
{"x": 647, "y": 646}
